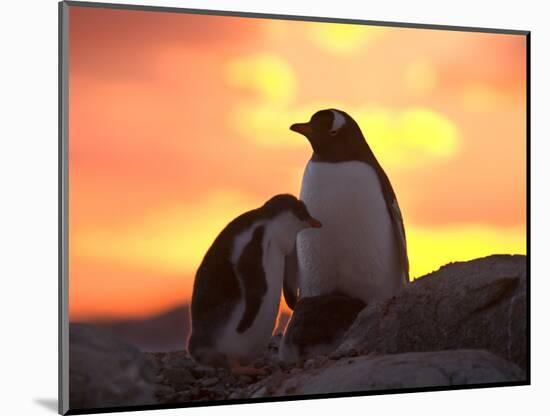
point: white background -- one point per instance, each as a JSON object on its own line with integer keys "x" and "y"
{"x": 28, "y": 209}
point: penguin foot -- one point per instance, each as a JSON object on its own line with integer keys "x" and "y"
{"x": 237, "y": 369}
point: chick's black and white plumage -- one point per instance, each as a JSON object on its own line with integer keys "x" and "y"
{"x": 237, "y": 287}
{"x": 361, "y": 250}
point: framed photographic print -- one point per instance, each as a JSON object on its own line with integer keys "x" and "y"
{"x": 265, "y": 207}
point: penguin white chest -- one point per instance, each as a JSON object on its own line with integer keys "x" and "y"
{"x": 354, "y": 252}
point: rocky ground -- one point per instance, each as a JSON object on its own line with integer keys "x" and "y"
{"x": 179, "y": 379}
{"x": 464, "y": 324}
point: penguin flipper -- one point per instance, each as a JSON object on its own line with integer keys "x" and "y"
{"x": 399, "y": 228}
{"x": 290, "y": 280}
{"x": 250, "y": 271}
{"x": 397, "y": 221}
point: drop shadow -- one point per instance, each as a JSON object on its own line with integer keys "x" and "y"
{"x": 49, "y": 404}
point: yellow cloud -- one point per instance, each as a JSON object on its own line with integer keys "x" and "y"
{"x": 341, "y": 38}
{"x": 268, "y": 124}
{"x": 408, "y": 138}
{"x": 430, "y": 248}
{"x": 481, "y": 98}
{"x": 172, "y": 242}
{"x": 268, "y": 74}
{"x": 277, "y": 30}
{"x": 420, "y": 77}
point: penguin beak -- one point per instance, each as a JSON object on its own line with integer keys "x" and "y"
{"x": 302, "y": 128}
{"x": 314, "y": 223}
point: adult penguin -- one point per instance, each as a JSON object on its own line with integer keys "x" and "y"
{"x": 361, "y": 250}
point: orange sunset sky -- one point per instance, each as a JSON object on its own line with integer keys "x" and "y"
{"x": 178, "y": 123}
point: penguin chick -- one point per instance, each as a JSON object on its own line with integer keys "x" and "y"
{"x": 318, "y": 325}
{"x": 237, "y": 288}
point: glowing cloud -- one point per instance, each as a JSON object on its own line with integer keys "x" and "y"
{"x": 339, "y": 38}
{"x": 269, "y": 75}
{"x": 409, "y": 138}
{"x": 268, "y": 125}
{"x": 481, "y": 98}
{"x": 420, "y": 77}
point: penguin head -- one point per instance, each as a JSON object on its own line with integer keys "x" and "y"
{"x": 333, "y": 135}
{"x": 296, "y": 209}
{"x": 289, "y": 216}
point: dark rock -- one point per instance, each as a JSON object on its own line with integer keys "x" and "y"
{"x": 177, "y": 377}
{"x": 200, "y": 371}
{"x": 237, "y": 394}
{"x": 182, "y": 397}
{"x": 105, "y": 371}
{"x": 202, "y": 394}
{"x": 231, "y": 379}
{"x": 352, "y": 353}
{"x": 245, "y": 379}
{"x": 480, "y": 304}
{"x": 208, "y": 382}
{"x": 311, "y": 363}
{"x": 178, "y": 359}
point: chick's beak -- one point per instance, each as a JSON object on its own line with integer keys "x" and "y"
{"x": 302, "y": 128}
{"x": 315, "y": 223}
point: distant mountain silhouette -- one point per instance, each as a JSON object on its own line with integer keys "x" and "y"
{"x": 164, "y": 332}
{"x": 167, "y": 331}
